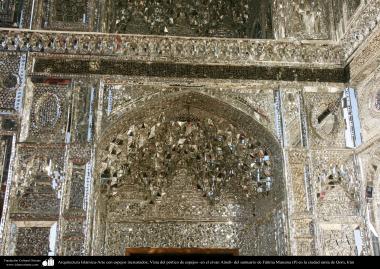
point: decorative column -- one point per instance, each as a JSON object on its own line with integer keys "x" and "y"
{"x": 74, "y": 208}
{"x": 297, "y": 162}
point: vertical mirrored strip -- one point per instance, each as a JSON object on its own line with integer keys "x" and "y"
{"x": 31, "y": 14}
{"x": 97, "y": 16}
{"x": 308, "y": 188}
{"x": 87, "y": 184}
{"x": 303, "y": 119}
{"x": 46, "y": 13}
{"x": 280, "y": 232}
{"x": 90, "y": 116}
{"x": 86, "y": 203}
{"x": 99, "y": 108}
{"x": 63, "y": 201}
{"x": 279, "y": 125}
{"x": 21, "y": 20}
{"x": 70, "y": 113}
{"x": 110, "y": 99}
{"x": 351, "y": 117}
{"x": 52, "y": 239}
{"x": 20, "y": 90}
{"x": 7, "y": 190}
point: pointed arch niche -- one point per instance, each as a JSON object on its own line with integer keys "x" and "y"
{"x": 188, "y": 171}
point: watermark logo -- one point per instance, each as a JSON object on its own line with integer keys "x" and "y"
{"x": 48, "y": 262}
